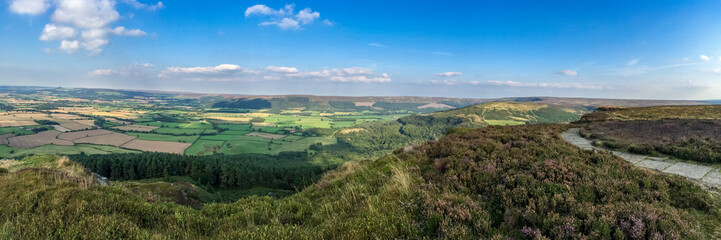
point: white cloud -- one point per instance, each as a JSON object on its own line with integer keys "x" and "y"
{"x": 135, "y": 70}
{"x": 353, "y": 74}
{"x": 139, "y": 5}
{"x": 705, "y": 58}
{"x": 285, "y": 24}
{"x": 377, "y": 45}
{"x": 544, "y": 85}
{"x": 259, "y": 9}
{"x": 449, "y": 74}
{"x": 632, "y": 62}
{"x": 81, "y": 24}
{"x": 328, "y": 22}
{"x": 685, "y": 59}
{"x": 222, "y": 72}
{"x": 716, "y": 70}
{"x": 567, "y": 72}
{"x": 231, "y": 72}
{"x": 53, "y": 32}
{"x": 282, "y": 69}
{"x": 30, "y": 7}
{"x": 285, "y": 18}
{"x": 69, "y": 46}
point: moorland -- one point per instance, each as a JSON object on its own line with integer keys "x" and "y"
{"x": 203, "y": 166}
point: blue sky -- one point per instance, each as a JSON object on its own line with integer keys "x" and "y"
{"x": 610, "y": 49}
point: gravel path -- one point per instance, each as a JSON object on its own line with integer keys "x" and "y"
{"x": 708, "y": 176}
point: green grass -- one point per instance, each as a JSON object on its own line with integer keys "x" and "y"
{"x": 203, "y": 147}
{"x": 238, "y": 127}
{"x": 16, "y": 130}
{"x": 89, "y": 149}
{"x": 161, "y": 137}
{"x": 503, "y": 122}
{"x": 299, "y": 145}
{"x": 180, "y": 131}
{"x": 237, "y": 147}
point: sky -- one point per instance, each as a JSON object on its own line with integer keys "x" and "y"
{"x": 476, "y": 49}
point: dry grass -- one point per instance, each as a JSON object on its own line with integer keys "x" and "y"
{"x": 435, "y": 105}
{"x": 82, "y": 134}
{"x": 136, "y": 128}
{"x": 364, "y": 104}
{"x": 351, "y": 130}
{"x": 114, "y": 139}
{"x": 266, "y": 135}
{"x": 39, "y": 139}
{"x": 157, "y": 146}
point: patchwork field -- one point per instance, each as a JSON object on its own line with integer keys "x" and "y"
{"x": 136, "y": 128}
{"x": 266, "y": 135}
{"x": 157, "y": 146}
{"x": 113, "y": 139}
{"x": 83, "y": 134}
{"x": 39, "y": 139}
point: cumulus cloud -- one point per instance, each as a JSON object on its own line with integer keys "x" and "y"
{"x": 231, "y": 72}
{"x": 222, "y": 72}
{"x": 705, "y": 58}
{"x": 449, "y": 74}
{"x": 632, "y": 62}
{"x": 139, "y": 5}
{"x": 31, "y": 7}
{"x": 285, "y": 18}
{"x": 282, "y": 69}
{"x": 353, "y": 74}
{"x": 567, "y": 72}
{"x": 80, "y": 24}
{"x": 135, "y": 70}
{"x": 544, "y": 85}
{"x": 53, "y": 32}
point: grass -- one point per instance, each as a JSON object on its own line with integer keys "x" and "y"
{"x": 17, "y": 130}
{"x": 180, "y": 131}
{"x": 299, "y": 145}
{"x": 204, "y": 147}
{"x": 162, "y": 137}
{"x": 62, "y": 150}
{"x": 238, "y": 127}
{"x": 503, "y": 122}
{"x": 237, "y": 147}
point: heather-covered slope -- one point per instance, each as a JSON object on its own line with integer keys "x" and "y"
{"x": 491, "y": 183}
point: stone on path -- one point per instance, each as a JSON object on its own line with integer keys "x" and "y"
{"x": 713, "y": 177}
{"x": 655, "y": 165}
{"x": 688, "y": 170}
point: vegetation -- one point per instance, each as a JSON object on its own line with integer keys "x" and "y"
{"x": 244, "y": 103}
{"x": 697, "y": 140}
{"x": 654, "y": 113}
{"x": 491, "y": 183}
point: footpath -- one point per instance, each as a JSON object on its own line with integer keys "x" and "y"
{"x": 708, "y": 176}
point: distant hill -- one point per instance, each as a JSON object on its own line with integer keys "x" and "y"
{"x": 516, "y": 113}
{"x": 654, "y": 113}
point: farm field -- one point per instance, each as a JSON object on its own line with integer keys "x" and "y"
{"x": 136, "y": 128}
{"x": 157, "y": 146}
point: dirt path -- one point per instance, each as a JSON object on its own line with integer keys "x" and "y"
{"x": 708, "y": 176}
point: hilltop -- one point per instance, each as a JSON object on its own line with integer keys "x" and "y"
{"x": 493, "y": 182}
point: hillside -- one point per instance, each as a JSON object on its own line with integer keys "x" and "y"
{"x": 492, "y": 183}
{"x": 688, "y": 133}
{"x": 516, "y": 113}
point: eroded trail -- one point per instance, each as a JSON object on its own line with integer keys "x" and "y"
{"x": 708, "y": 176}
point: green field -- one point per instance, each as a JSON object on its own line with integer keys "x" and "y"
{"x": 237, "y": 147}
{"x": 63, "y": 150}
{"x": 17, "y": 130}
{"x": 180, "y": 131}
{"x": 204, "y": 147}
{"x": 162, "y": 137}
